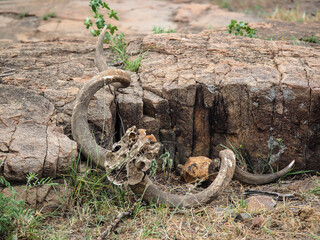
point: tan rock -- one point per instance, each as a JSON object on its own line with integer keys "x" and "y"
{"x": 257, "y": 222}
{"x": 198, "y": 168}
{"x": 33, "y": 144}
{"x": 42, "y": 197}
{"x": 258, "y": 203}
{"x": 220, "y": 86}
{"x": 202, "y": 89}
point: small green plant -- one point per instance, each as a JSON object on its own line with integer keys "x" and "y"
{"x": 241, "y": 29}
{"x": 157, "y": 30}
{"x": 295, "y": 40}
{"x": 23, "y": 14}
{"x": 49, "y": 15}
{"x": 311, "y": 39}
{"x": 116, "y": 41}
{"x": 291, "y": 172}
{"x": 100, "y": 21}
{"x": 275, "y": 149}
{"x": 268, "y": 38}
{"x": 241, "y": 155}
{"x": 16, "y": 219}
{"x": 52, "y": 15}
{"x": 119, "y": 47}
{"x": 240, "y": 205}
{"x": 316, "y": 189}
{"x": 153, "y": 168}
{"x": 45, "y": 17}
{"x": 33, "y": 181}
{"x": 167, "y": 162}
{"x": 133, "y": 63}
{"x": 223, "y": 4}
{"x": 275, "y": 144}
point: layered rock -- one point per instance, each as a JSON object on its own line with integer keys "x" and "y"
{"x": 249, "y": 91}
{"x": 30, "y": 142}
{"x": 46, "y": 198}
{"x": 192, "y": 92}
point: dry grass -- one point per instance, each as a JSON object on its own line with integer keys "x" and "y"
{"x": 294, "y": 219}
{"x": 95, "y": 203}
{"x": 293, "y": 15}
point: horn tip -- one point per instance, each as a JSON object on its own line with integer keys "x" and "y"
{"x": 291, "y": 164}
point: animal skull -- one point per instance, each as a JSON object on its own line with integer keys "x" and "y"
{"x": 130, "y": 158}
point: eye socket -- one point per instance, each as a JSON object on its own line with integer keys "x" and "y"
{"x": 132, "y": 136}
{"x": 116, "y": 148}
{"x": 140, "y": 165}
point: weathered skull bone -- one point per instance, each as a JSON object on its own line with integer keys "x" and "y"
{"x": 130, "y": 158}
{"x": 135, "y": 164}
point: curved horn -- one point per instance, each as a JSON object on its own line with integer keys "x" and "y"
{"x": 258, "y": 179}
{"x": 82, "y": 135}
{"x": 79, "y": 122}
{"x": 100, "y": 59}
{"x": 151, "y": 192}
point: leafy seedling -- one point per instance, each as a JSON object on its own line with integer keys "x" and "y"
{"x": 100, "y": 22}
{"x": 116, "y": 41}
{"x": 23, "y": 14}
{"x": 241, "y": 29}
{"x": 311, "y": 39}
{"x": 158, "y": 30}
{"x": 49, "y": 15}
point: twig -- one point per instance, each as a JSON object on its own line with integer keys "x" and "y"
{"x": 114, "y": 224}
{"x": 278, "y": 196}
{"x": 6, "y": 74}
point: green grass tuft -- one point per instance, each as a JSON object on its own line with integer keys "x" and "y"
{"x": 158, "y": 30}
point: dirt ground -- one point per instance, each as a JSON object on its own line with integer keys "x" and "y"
{"x": 228, "y": 216}
{"x": 21, "y": 21}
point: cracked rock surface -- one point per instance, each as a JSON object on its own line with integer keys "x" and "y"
{"x": 43, "y": 197}
{"x": 30, "y": 142}
{"x": 248, "y": 91}
{"x": 192, "y": 91}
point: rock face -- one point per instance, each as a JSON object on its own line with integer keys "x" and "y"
{"x": 29, "y": 140}
{"x": 248, "y": 91}
{"x": 43, "y": 197}
{"x": 192, "y": 92}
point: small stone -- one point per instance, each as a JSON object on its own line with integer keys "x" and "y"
{"x": 257, "y": 222}
{"x": 243, "y": 216}
{"x": 257, "y": 203}
{"x": 198, "y": 168}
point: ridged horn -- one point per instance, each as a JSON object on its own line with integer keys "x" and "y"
{"x": 257, "y": 179}
{"x": 151, "y": 192}
{"x": 100, "y": 58}
{"x": 79, "y": 121}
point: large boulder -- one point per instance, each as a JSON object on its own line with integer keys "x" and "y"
{"x": 249, "y": 91}
{"x": 30, "y": 141}
{"x": 192, "y": 92}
